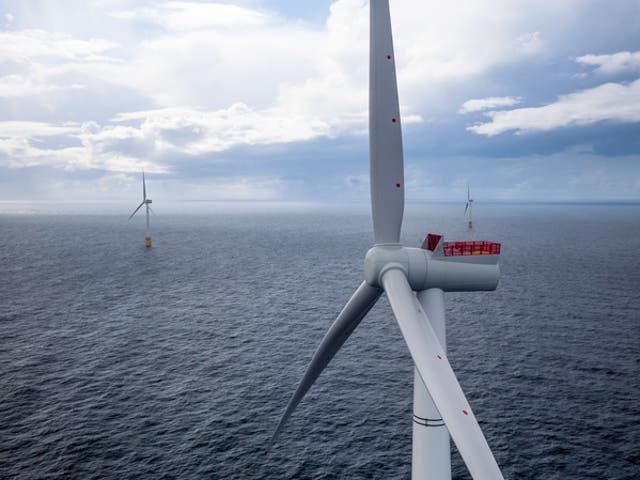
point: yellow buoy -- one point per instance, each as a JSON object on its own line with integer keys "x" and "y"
{"x": 147, "y": 241}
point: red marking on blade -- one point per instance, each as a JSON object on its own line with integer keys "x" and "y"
{"x": 398, "y": 186}
{"x": 388, "y": 57}
{"x": 439, "y": 357}
{"x": 465, "y": 412}
{"x": 393, "y": 120}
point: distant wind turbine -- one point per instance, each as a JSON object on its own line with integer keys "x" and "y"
{"x": 468, "y": 206}
{"x": 147, "y": 202}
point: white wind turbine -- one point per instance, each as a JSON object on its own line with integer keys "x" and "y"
{"x": 147, "y": 202}
{"x": 467, "y": 208}
{"x": 440, "y": 406}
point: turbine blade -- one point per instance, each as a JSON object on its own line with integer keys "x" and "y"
{"x": 385, "y": 134}
{"x": 353, "y": 312}
{"x": 151, "y": 210}
{"x": 466, "y": 207}
{"x": 134, "y": 212}
{"x": 434, "y": 368}
{"x": 144, "y": 187}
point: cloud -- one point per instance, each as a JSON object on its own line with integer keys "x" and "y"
{"x": 28, "y": 45}
{"x": 264, "y": 61}
{"x": 70, "y": 146}
{"x": 196, "y": 132}
{"x": 29, "y": 85}
{"x": 609, "y": 102}
{"x": 439, "y": 43}
{"x": 181, "y": 16}
{"x": 312, "y": 81}
{"x": 612, "y": 64}
{"x": 36, "y": 56}
{"x": 174, "y": 86}
{"x": 530, "y": 43}
{"x": 479, "y": 104}
{"x": 34, "y": 129}
{"x": 160, "y": 134}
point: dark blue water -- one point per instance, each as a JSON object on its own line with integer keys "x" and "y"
{"x": 176, "y": 362}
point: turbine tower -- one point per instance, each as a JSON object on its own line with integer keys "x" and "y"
{"x": 147, "y": 203}
{"x": 467, "y": 208}
{"x": 440, "y": 407}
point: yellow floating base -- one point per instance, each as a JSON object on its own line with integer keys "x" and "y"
{"x": 147, "y": 242}
{"x": 470, "y": 225}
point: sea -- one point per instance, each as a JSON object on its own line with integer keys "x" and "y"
{"x": 176, "y": 362}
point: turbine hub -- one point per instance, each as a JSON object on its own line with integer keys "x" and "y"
{"x": 380, "y": 258}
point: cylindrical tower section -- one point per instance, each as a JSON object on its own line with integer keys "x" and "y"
{"x": 431, "y": 459}
{"x": 147, "y": 238}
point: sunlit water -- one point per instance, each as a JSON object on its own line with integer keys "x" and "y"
{"x": 176, "y": 362}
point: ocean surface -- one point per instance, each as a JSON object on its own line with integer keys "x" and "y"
{"x": 121, "y": 362}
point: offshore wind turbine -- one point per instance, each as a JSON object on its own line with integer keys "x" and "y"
{"x": 467, "y": 208}
{"x": 440, "y": 408}
{"x": 147, "y": 203}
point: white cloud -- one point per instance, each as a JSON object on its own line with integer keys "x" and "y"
{"x": 479, "y": 104}
{"x": 161, "y": 132}
{"x": 614, "y": 63}
{"x": 193, "y": 16}
{"x": 201, "y": 132}
{"x": 208, "y": 77}
{"x": 296, "y": 81}
{"x": 609, "y": 102}
{"x": 40, "y": 57}
{"x": 29, "y": 85}
{"x": 34, "y": 129}
{"x": 70, "y": 146}
{"x": 28, "y": 45}
{"x": 442, "y": 42}
{"x": 531, "y": 43}
{"x": 264, "y": 62}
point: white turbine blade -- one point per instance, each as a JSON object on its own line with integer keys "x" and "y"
{"x": 144, "y": 187}
{"x": 353, "y": 312}
{"x": 466, "y": 208}
{"x": 385, "y": 134}
{"x": 134, "y": 212}
{"x": 435, "y": 370}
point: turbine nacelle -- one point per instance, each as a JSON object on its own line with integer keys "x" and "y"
{"x": 425, "y": 269}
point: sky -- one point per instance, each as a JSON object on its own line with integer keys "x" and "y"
{"x": 265, "y": 100}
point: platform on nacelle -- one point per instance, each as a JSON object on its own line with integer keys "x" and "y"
{"x": 456, "y": 249}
